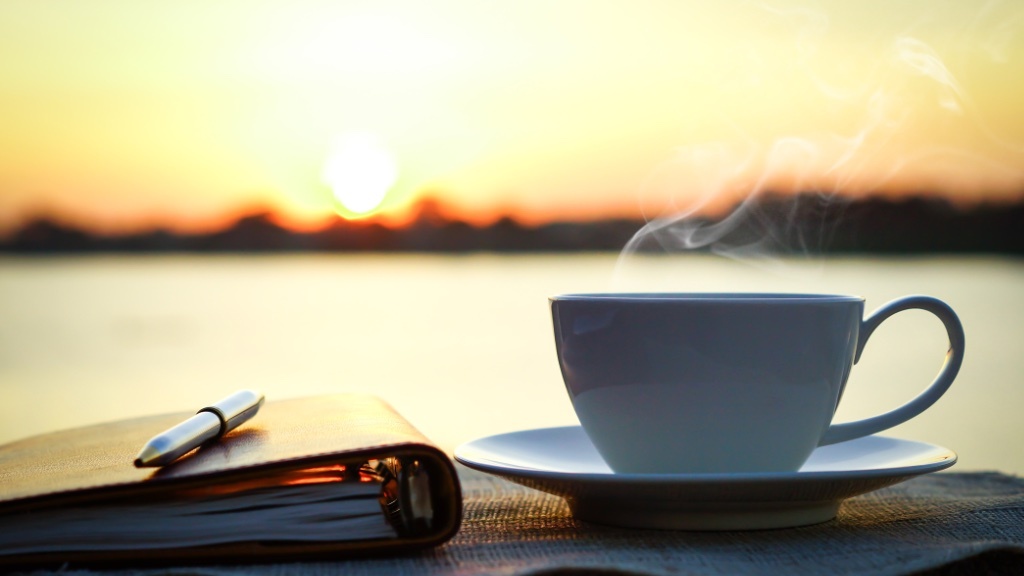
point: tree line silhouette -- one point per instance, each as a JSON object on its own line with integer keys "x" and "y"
{"x": 803, "y": 223}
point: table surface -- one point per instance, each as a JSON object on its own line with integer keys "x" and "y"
{"x": 944, "y": 523}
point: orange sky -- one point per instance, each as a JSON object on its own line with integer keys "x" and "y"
{"x": 120, "y": 115}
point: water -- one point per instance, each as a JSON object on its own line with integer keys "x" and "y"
{"x": 461, "y": 345}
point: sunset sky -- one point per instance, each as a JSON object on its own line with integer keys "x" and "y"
{"x": 120, "y": 115}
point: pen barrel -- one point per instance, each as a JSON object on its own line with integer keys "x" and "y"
{"x": 235, "y": 409}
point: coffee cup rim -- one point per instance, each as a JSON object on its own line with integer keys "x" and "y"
{"x": 706, "y": 297}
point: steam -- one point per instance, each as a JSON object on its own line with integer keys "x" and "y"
{"x": 722, "y": 194}
{"x": 920, "y": 58}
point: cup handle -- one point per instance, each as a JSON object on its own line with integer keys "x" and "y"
{"x": 954, "y": 358}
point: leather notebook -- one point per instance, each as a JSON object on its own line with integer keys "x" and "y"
{"x": 319, "y": 477}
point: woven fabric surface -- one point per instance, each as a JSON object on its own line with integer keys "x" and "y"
{"x": 945, "y": 523}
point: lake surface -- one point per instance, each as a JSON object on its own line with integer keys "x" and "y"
{"x": 462, "y": 345}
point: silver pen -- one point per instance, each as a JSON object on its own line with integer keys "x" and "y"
{"x": 208, "y": 424}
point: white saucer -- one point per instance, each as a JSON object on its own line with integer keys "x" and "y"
{"x": 562, "y": 461}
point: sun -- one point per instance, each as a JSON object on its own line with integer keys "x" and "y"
{"x": 360, "y": 171}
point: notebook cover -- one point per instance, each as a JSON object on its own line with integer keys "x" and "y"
{"x": 95, "y": 463}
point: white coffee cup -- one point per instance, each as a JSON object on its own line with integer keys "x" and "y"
{"x": 723, "y": 383}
